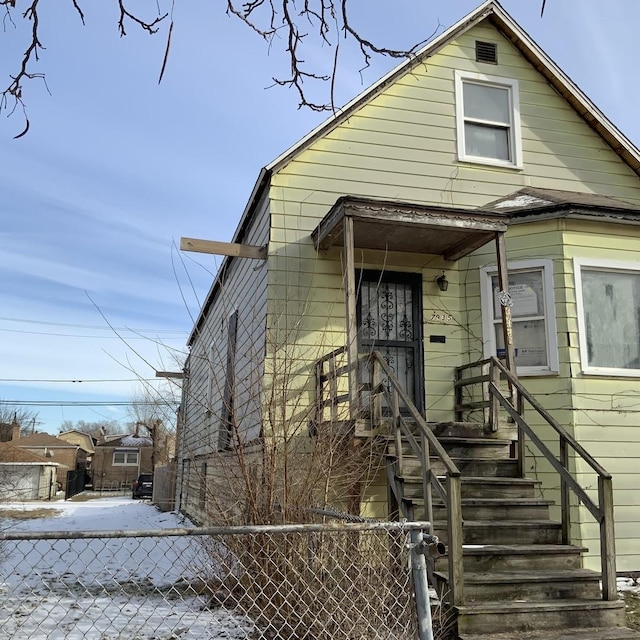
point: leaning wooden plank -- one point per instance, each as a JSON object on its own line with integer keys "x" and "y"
{"x": 223, "y": 248}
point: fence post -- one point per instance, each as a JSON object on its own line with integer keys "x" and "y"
{"x": 421, "y": 587}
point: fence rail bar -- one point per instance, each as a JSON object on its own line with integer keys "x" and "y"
{"x": 217, "y": 531}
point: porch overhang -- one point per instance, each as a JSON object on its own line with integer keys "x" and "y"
{"x": 399, "y": 226}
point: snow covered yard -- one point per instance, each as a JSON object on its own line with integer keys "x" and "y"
{"x": 106, "y": 589}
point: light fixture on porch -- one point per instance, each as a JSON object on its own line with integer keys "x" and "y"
{"x": 442, "y": 282}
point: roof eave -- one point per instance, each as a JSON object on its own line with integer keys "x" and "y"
{"x": 253, "y": 202}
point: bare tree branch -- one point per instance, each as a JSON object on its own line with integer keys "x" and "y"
{"x": 298, "y": 24}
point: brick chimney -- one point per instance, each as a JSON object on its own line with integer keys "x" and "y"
{"x": 15, "y": 429}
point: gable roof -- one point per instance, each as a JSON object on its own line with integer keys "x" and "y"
{"x": 43, "y": 440}
{"x": 494, "y": 12}
{"x": 10, "y": 454}
{"x": 490, "y": 10}
{"x": 128, "y": 441}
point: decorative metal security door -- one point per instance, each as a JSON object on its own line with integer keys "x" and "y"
{"x": 390, "y": 321}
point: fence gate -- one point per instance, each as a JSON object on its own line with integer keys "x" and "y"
{"x": 75, "y": 483}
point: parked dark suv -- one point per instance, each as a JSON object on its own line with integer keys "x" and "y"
{"x": 143, "y": 486}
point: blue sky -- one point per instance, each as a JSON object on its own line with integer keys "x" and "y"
{"x": 116, "y": 168}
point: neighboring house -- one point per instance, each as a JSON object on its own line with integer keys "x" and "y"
{"x": 391, "y": 228}
{"x": 25, "y": 475}
{"x": 70, "y": 457}
{"x": 119, "y": 460}
{"x": 85, "y": 441}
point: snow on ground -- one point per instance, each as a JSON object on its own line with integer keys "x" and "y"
{"x": 102, "y": 588}
{"x": 631, "y": 585}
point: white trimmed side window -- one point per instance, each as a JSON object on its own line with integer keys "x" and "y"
{"x": 488, "y": 119}
{"x": 533, "y": 315}
{"x": 608, "y": 301}
{"x": 125, "y": 458}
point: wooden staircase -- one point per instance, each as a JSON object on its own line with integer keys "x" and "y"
{"x": 520, "y": 581}
{"x": 510, "y": 573}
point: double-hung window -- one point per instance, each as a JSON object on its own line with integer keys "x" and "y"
{"x": 488, "y": 119}
{"x": 608, "y": 302}
{"x": 532, "y": 312}
{"x": 125, "y": 458}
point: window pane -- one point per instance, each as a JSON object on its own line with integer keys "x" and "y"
{"x": 530, "y": 342}
{"x": 484, "y": 102}
{"x": 527, "y": 294}
{"x": 118, "y": 457}
{"x": 486, "y": 142}
{"x": 612, "y": 318}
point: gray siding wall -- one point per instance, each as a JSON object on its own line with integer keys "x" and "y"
{"x": 243, "y": 290}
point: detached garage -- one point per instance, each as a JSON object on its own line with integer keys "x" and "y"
{"x": 25, "y": 475}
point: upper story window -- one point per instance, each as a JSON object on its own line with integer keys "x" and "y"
{"x": 488, "y": 119}
{"x": 533, "y": 316}
{"x": 608, "y": 301}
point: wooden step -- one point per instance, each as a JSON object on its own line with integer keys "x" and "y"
{"x": 508, "y": 431}
{"x": 507, "y": 488}
{"x": 608, "y": 633}
{"x": 481, "y": 448}
{"x": 504, "y": 532}
{"x": 527, "y": 586}
{"x": 514, "y": 557}
{"x": 477, "y": 467}
{"x": 524, "y": 616}
{"x": 496, "y": 508}
{"x": 499, "y": 487}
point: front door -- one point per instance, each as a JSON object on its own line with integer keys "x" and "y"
{"x": 390, "y": 321}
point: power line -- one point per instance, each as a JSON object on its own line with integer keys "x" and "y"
{"x": 77, "y": 335}
{"x": 93, "y": 326}
{"x": 79, "y": 403}
{"x": 76, "y": 380}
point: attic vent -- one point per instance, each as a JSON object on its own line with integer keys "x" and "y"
{"x": 486, "y": 52}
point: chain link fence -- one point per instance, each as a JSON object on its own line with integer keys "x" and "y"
{"x": 292, "y": 582}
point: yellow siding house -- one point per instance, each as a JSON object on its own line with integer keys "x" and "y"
{"x": 472, "y": 219}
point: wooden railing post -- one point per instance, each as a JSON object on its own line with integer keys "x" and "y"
{"x": 397, "y": 431}
{"x": 454, "y": 533}
{"x": 607, "y": 539}
{"x": 520, "y": 448}
{"x": 494, "y": 404}
{"x": 565, "y": 502}
{"x": 458, "y": 395}
{"x": 426, "y": 480}
{"x": 319, "y": 393}
{"x": 376, "y": 395}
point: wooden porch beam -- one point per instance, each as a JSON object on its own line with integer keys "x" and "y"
{"x": 350, "y": 304}
{"x": 232, "y": 249}
{"x": 507, "y": 324}
{"x": 179, "y": 375}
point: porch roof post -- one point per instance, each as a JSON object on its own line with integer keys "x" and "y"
{"x": 350, "y": 305}
{"x": 505, "y": 303}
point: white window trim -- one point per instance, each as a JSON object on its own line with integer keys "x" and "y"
{"x": 515, "y": 137}
{"x": 126, "y": 452}
{"x": 488, "y": 327}
{"x": 598, "y": 265}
